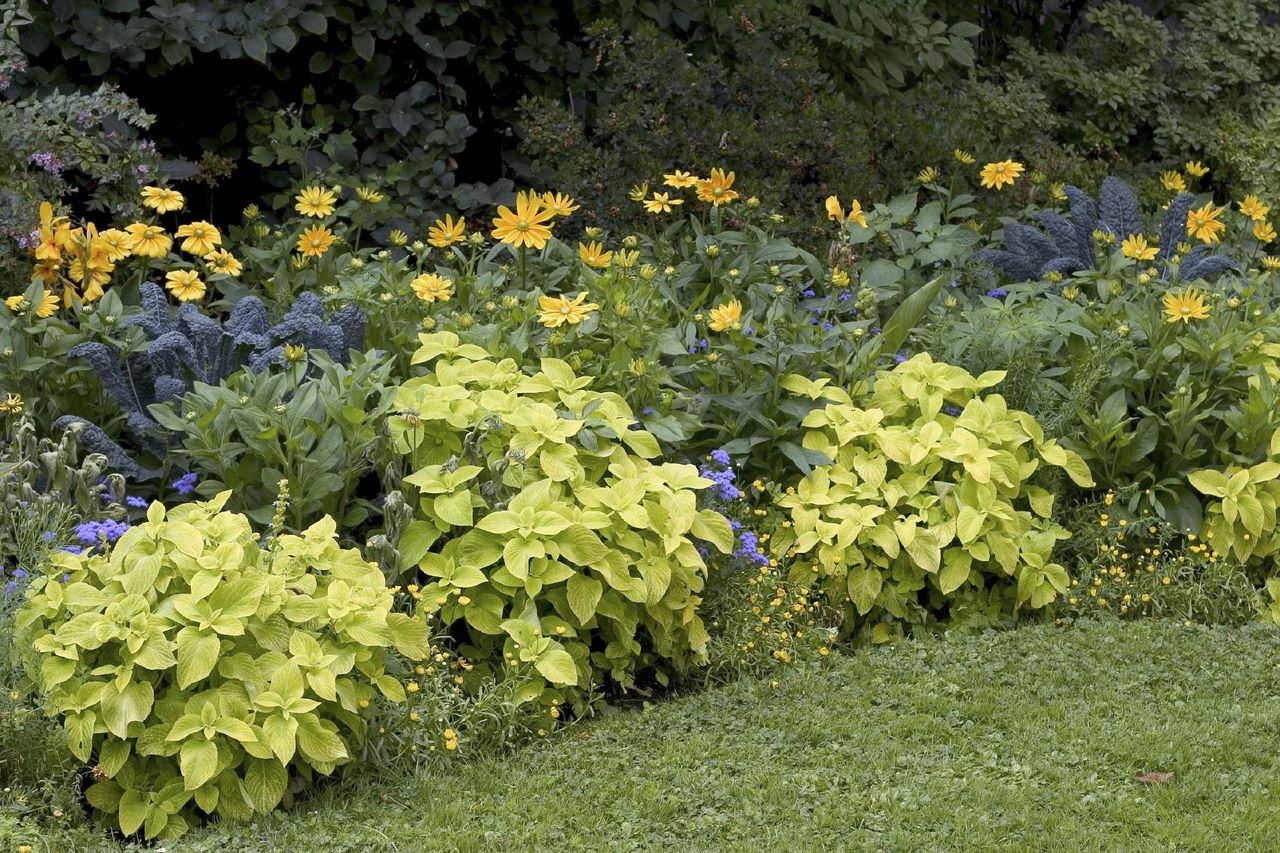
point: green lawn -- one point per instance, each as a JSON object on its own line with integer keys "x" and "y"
{"x": 1026, "y": 740}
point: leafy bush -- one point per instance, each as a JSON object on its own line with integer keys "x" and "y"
{"x": 547, "y": 535}
{"x": 1241, "y": 521}
{"x": 201, "y": 674}
{"x": 927, "y": 504}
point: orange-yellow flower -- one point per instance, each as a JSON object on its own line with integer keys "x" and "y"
{"x": 148, "y": 241}
{"x": 431, "y": 287}
{"x": 185, "y": 285}
{"x": 315, "y": 241}
{"x": 555, "y": 311}
{"x": 222, "y": 262}
{"x": 1000, "y": 174}
{"x": 201, "y": 238}
{"x": 594, "y": 255}
{"x": 446, "y": 232}
{"x": 679, "y": 180}
{"x": 1135, "y": 247}
{"x": 726, "y": 316}
{"x": 1253, "y": 208}
{"x": 315, "y": 201}
{"x": 836, "y": 212}
{"x": 1204, "y": 225}
{"x": 1196, "y": 169}
{"x": 1264, "y": 232}
{"x": 661, "y": 203}
{"x": 717, "y": 189}
{"x": 1173, "y": 182}
{"x": 1185, "y": 305}
{"x": 558, "y": 204}
{"x": 526, "y": 226}
{"x": 162, "y": 199}
{"x": 115, "y": 244}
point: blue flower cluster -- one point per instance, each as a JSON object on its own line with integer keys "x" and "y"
{"x": 699, "y": 346}
{"x": 186, "y": 484}
{"x": 749, "y": 551}
{"x": 136, "y": 502}
{"x": 720, "y": 472}
{"x": 96, "y": 532}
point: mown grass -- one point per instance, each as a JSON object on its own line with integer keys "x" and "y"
{"x": 1024, "y": 740}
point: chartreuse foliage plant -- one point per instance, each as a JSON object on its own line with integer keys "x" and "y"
{"x": 548, "y": 535}
{"x": 202, "y": 674}
{"x": 927, "y": 503}
{"x": 1240, "y": 519}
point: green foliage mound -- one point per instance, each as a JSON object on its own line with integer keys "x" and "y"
{"x": 548, "y": 534}
{"x": 928, "y": 502}
{"x": 202, "y": 674}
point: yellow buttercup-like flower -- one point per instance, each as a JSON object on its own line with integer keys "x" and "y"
{"x": 558, "y": 204}
{"x": 1173, "y": 182}
{"x": 431, "y": 287}
{"x": 717, "y": 189}
{"x": 185, "y": 285}
{"x": 315, "y": 241}
{"x": 526, "y": 226}
{"x": 661, "y": 203}
{"x": 1135, "y": 247}
{"x": 1253, "y": 208}
{"x": 162, "y": 199}
{"x": 201, "y": 238}
{"x": 1203, "y": 223}
{"x": 315, "y": 201}
{"x": 963, "y": 156}
{"x": 1264, "y": 232}
{"x": 555, "y": 311}
{"x": 223, "y": 262}
{"x": 726, "y": 316}
{"x": 998, "y": 175}
{"x": 1185, "y": 305}
{"x": 148, "y": 241}
{"x": 446, "y": 232}
{"x": 594, "y": 255}
{"x": 1196, "y": 169}
{"x": 679, "y": 180}
{"x": 836, "y": 212}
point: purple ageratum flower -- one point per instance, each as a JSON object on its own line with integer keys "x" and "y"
{"x": 749, "y": 331}
{"x": 72, "y": 549}
{"x": 648, "y": 410}
{"x": 828, "y": 326}
{"x": 997, "y": 293}
{"x": 750, "y": 550}
{"x": 899, "y": 357}
{"x": 136, "y": 502}
{"x": 186, "y": 484}
{"x": 808, "y": 294}
{"x": 954, "y": 411}
{"x": 721, "y": 457}
{"x": 96, "y": 532}
{"x": 844, "y": 296}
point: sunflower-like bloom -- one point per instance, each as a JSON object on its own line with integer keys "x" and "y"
{"x": 1196, "y": 169}
{"x": 927, "y": 175}
{"x": 662, "y": 203}
{"x": 1185, "y": 305}
{"x": 998, "y": 175}
{"x": 717, "y": 189}
{"x": 369, "y": 195}
{"x": 431, "y": 287}
{"x": 446, "y": 232}
{"x": 594, "y": 255}
{"x": 1264, "y": 232}
{"x": 836, "y": 212}
{"x": 11, "y": 405}
{"x": 115, "y": 244}
{"x": 1135, "y": 247}
{"x": 315, "y": 241}
{"x": 201, "y": 238}
{"x": 148, "y": 241}
{"x": 1203, "y": 223}
{"x": 162, "y": 199}
{"x": 91, "y": 272}
{"x": 47, "y": 307}
{"x": 315, "y": 201}
{"x": 1173, "y": 182}
{"x": 1253, "y": 208}
{"x": 526, "y": 226}
{"x": 558, "y": 204}
{"x": 185, "y": 285}
{"x": 679, "y": 180}
{"x": 555, "y": 311}
{"x": 222, "y": 262}
{"x": 726, "y": 316}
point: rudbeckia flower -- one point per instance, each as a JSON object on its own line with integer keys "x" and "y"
{"x": 525, "y": 226}
{"x": 185, "y": 285}
{"x": 594, "y": 255}
{"x": 1135, "y": 247}
{"x": 315, "y": 201}
{"x": 996, "y": 176}
{"x": 558, "y": 204}
{"x": 679, "y": 180}
{"x": 1253, "y": 208}
{"x": 726, "y": 316}
{"x": 1185, "y": 305}
{"x": 431, "y": 287}
{"x": 315, "y": 241}
{"x": 446, "y": 232}
{"x": 555, "y": 311}
{"x": 661, "y": 203}
{"x": 148, "y": 241}
{"x": 201, "y": 238}
{"x": 162, "y": 199}
{"x": 836, "y": 212}
{"x": 717, "y": 189}
{"x": 1204, "y": 225}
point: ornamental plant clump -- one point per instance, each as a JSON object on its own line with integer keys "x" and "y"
{"x": 1241, "y": 521}
{"x": 927, "y": 502}
{"x": 200, "y": 673}
{"x": 548, "y": 535}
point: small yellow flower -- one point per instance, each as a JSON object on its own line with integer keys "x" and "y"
{"x": 593, "y": 255}
{"x": 558, "y": 204}
{"x": 1203, "y": 223}
{"x": 185, "y": 285}
{"x": 963, "y": 156}
{"x": 446, "y": 232}
{"x": 315, "y": 241}
{"x": 369, "y": 195}
{"x": 526, "y": 226}
{"x": 114, "y": 244}
{"x": 431, "y": 287}
{"x": 1264, "y": 232}
{"x": 222, "y": 262}
{"x": 836, "y": 212}
{"x": 1271, "y": 263}
{"x": 626, "y": 260}
{"x": 162, "y": 199}
{"x": 679, "y": 180}
{"x": 927, "y": 175}
{"x": 661, "y": 203}
{"x": 148, "y": 241}
{"x": 1196, "y": 169}
{"x": 638, "y": 192}
{"x": 1173, "y": 182}
{"x": 48, "y": 305}
{"x": 412, "y": 687}
{"x": 1253, "y": 208}
{"x": 1135, "y": 248}
{"x": 315, "y": 201}
{"x": 555, "y": 311}
{"x": 12, "y": 405}
{"x": 396, "y": 237}
{"x": 294, "y": 353}
{"x": 1001, "y": 174}
{"x": 201, "y": 238}
{"x": 717, "y": 189}
{"x": 726, "y": 316}
{"x": 1185, "y": 305}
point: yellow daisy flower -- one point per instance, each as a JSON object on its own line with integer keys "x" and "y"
{"x": 594, "y": 255}
{"x": 148, "y": 241}
{"x": 1253, "y": 208}
{"x": 963, "y": 156}
{"x": 558, "y": 204}
{"x": 446, "y": 232}
{"x": 1264, "y": 232}
{"x": 315, "y": 241}
{"x": 726, "y": 316}
{"x": 201, "y": 238}
{"x": 431, "y": 287}
{"x": 1204, "y": 225}
{"x": 1196, "y": 169}
{"x": 185, "y": 285}
{"x": 836, "y": 212}
{"x": 1173, "y": 182}
{"x": 222, "y": 262}
{"x": 555, "y": 311}
{"x": 526, "y": 225}
{"x": 1000, "y": 174}
{"x": 1185, "y": 305}
{"x": 1135, "y": 247}
{"x": 717, "y": 189}
{"x": 315, "y": 201}
{"x": 162, "y": 199}
{"x": 662, "y": 203}
{"x": 114, "y": 244}
{"x": 679, "y": 180}
{"x": 369, "y": 195}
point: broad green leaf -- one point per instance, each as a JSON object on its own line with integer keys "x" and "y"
{"x": 265, "y": 782}
{"x": 864, "y": 585}
{"x": 557, "y": 666}
{"x": 198, "y": 761}
{"x": 583, "y": 593}
{"x": 197, "y": 654}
